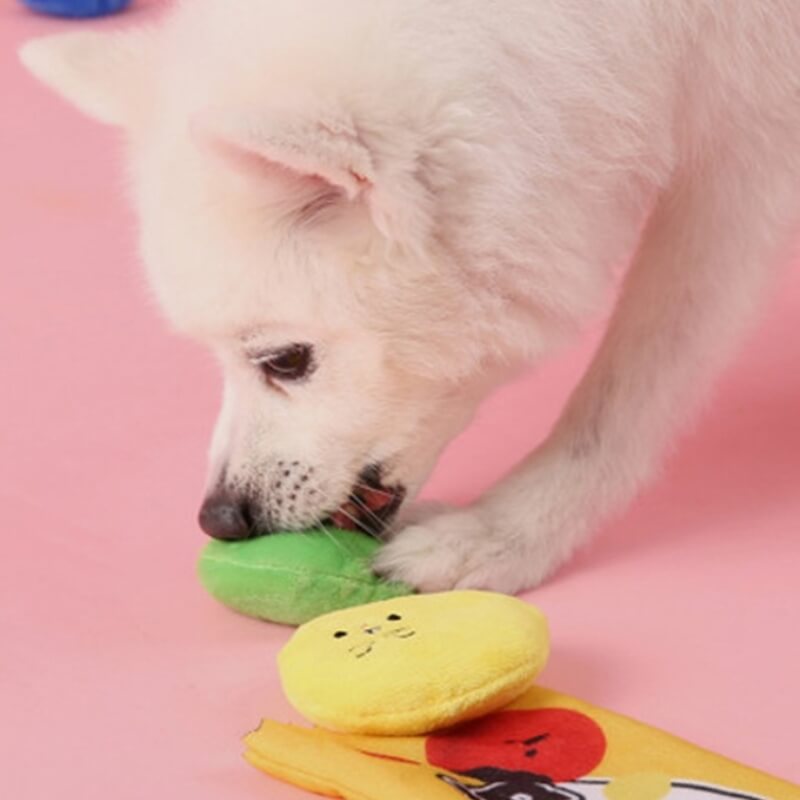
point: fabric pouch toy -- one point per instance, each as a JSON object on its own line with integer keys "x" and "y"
{"x": 432, "y": 699}
{"x": 293, "y": 577}
{"x": 544, "y": 746}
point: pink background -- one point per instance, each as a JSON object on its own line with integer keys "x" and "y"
{"x": 120, "y": 678}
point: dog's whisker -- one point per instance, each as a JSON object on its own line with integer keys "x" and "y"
{"x": 331, "y": 537}
{"x": 381, "y": 523}
{"x": 349, "y": 516}
{"x": 361, "y": 506}
{"x": 358, "y": 523}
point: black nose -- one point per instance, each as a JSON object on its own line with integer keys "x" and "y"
{"x": 225, "y": 517}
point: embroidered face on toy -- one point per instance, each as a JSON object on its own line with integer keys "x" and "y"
{"x": 412, "y": 664}
{"x": 363, "y": 640}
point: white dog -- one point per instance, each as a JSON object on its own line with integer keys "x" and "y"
{"x": 373, "y": 211}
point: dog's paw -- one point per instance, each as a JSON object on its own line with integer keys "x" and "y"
{"x": 458, "y": 550}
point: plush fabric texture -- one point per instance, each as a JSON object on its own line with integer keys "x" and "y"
{"x": 544, "y": 746}
{"x": 414, "y": 664}
{"x": 293, "y": 577}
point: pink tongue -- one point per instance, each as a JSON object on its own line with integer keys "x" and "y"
{"x": 346, "y": 517}
{"x": 375, "y": 499}
{"x": 351, "y": 513}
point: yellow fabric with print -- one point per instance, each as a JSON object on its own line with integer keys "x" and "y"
{"x": 414, "y": 664}
{"x": 418, "y": 665}
{"x": 544, "y": 746}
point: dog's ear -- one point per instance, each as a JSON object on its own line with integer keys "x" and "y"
{"x": 106, "y": 75}
{"x": 327, "y": 156}
{"x": 299, "y": 150}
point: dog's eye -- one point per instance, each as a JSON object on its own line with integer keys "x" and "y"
{"x": 291, "y": 363}
{"x": 394, "y": 617}
{"x": 339, "y": 634}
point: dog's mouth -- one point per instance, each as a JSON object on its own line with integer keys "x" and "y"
{"x": 371, "y": 505}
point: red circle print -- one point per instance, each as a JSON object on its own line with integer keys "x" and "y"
{"x": 558, "y": 743}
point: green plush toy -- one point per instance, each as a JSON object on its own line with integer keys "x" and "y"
{"x": 292, "y": 578}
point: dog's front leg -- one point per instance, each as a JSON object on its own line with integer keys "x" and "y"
{"x": 687, "y": 298}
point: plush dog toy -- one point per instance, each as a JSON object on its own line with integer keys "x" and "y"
{"x": 431, "y": 698}
{"x": 293, "y": 577}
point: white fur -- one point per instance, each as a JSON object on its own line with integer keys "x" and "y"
{"x": 472, "y": 174}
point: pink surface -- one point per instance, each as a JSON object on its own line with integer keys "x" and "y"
{"x": 120, "y": 678}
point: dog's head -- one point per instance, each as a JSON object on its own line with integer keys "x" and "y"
{"x": 292, "y": 221}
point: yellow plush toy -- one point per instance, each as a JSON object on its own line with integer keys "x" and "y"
{"x": 414, "y": 664}
{"x": 429, "y": 697}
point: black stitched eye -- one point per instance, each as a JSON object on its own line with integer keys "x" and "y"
{"x": 290, "y": 363}
{"x": 394, "y": 617}
{"x": 339, "y": 634}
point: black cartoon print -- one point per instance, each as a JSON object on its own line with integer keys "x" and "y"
{"x": 499, "y": 784}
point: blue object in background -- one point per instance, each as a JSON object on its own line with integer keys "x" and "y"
{"x": 76, "y": 8}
